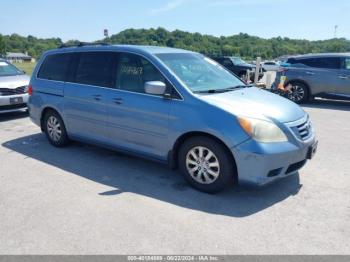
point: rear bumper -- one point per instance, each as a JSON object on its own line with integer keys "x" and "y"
{"x": 260, "y": 164}
{"x": 6, "y": 106}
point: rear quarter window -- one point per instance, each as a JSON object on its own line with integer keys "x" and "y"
{"x": 322, "y": 62}
{"x": 55, "y": 67}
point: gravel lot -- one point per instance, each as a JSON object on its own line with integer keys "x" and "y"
{"x": 87, "y": 200}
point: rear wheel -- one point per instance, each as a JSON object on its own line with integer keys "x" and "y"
{"x": 55, "y": 130}
{"x": 206, "y": 164}
{"x": 298, "y": 92}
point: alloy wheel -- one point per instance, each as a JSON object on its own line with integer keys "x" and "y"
{"x": 203, "y": 165}
{"x": 54, "y": 128}
{"x": 296, "y": 93}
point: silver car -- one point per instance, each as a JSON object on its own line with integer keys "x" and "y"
{"x": 13, "y": 88}
{"x": 322, "y": 75}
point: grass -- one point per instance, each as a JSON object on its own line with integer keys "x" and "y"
{"x": 27, "y": 67}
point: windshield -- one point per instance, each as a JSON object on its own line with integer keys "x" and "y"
{"x": 199, "y": 73}
{"x": 7, "y": 69}
{"x": 237, "y": 61}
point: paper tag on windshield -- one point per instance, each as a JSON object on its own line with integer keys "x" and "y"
{"x": 3, "y": 64}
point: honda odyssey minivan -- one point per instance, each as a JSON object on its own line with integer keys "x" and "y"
{"x": 172, "y": 106}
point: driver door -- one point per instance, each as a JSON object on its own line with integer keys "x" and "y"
{"x": 138, "y": 121}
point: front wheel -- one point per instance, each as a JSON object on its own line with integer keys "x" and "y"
{"x": 298, "y": 92}
{"x": 206, "y": 164}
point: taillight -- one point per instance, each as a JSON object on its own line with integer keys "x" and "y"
{"x": 30, "y": 90}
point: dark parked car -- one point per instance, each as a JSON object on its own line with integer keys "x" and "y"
{"x": 322, "y": 75}
{"x": 238, "y": 66}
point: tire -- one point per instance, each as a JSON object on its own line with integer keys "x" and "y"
{"x": 210, "y": 175}
{"x": 55, "y": 129}
{"x": 299, "y": 93}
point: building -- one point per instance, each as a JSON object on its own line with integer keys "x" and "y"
{"x": 19, "y": 57}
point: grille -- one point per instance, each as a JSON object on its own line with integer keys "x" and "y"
{"x": 10, "y": 92}
{"x": 10, "y": 107}
{"x": 303, "y": 131}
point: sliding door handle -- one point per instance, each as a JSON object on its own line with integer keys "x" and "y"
{"x": 97, "y": 97}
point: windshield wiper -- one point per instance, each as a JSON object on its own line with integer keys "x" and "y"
{"x": 221, "y": 90}
{"x": 239, "y": 86}
{"x": 209, "y": 91}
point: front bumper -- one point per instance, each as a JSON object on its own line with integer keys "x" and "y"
{"x": 6, "y": 106}
{"x": 261, "y": 163}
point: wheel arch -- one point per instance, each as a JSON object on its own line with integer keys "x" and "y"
{"x": 173, "y": 154}
{"x": 43, "y": 113}
{"x": 299, "y": 81}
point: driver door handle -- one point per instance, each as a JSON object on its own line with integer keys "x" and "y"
{"x": 343, "y": 77}
{"x": 117, "y": 100}
{"x": 97, "y": 97}
{"x": 310, "y": 73}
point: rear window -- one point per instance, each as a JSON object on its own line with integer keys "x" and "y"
{"x": 95, "y": 68}
{"x": 55, "y": 67}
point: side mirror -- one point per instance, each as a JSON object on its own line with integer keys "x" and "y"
{"x": 155, "y": 88}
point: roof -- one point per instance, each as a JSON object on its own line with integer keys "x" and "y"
{"x": 18, "y": 55}
{"x": 320, "y": 55}
{"x": 153, "y": 49}
{"x": 130, "y": 48}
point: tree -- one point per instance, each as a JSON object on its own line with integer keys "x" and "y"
{"x": 2, "y": 46}
{"x": 244, "y": 45}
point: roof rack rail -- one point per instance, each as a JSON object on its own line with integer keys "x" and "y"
{"x": 80, "y": 44}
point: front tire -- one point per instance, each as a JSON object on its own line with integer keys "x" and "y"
{"x": 206, "y": 165}
{"x": 55, "y": 130}
{"x": 298, "y": 93}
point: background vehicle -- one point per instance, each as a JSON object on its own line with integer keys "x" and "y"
{"x": 13, "y": 88}
{"x": 270, "y": 65}
{"x": 325, "y": 75}
{"x": 238, "y": 66}
{"x": 170, "y": 105}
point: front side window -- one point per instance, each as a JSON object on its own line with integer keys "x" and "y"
{"x": 55, "y": 67}
{"x": 134, "y": 71}
{"x": 95, "y": 68}
{"x": 6, "y": 69}
{"x": 199, "y": 73}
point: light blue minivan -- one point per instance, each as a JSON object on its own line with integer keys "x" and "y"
{"x": 173, "y": 106}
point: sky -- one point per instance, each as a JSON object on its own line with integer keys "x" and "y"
{"x": 85, "y": 20}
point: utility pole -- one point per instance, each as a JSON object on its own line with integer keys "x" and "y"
{"x": 105, "y": 32}
{"x": 335, "y": 31}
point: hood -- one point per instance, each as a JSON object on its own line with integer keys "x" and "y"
{"x": 257, "y": 103}
{"x": 13, "y": 82}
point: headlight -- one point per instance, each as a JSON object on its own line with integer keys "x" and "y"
{"x": 261, "y": 130}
